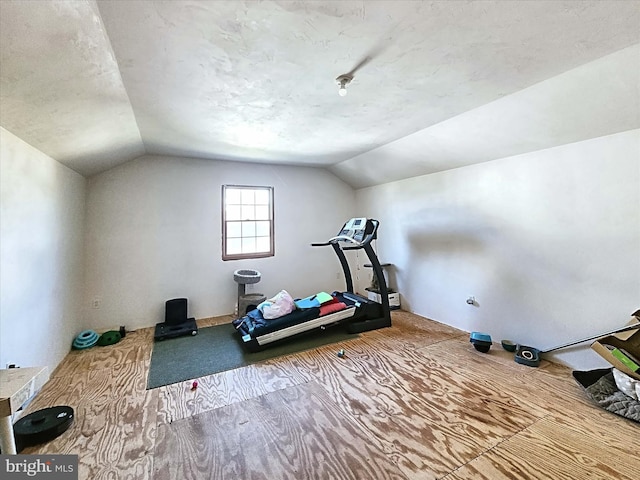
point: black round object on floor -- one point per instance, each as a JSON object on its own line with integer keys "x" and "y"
{"x": 42, "y": 426}
{"x": 109, "y": 338}
{"x": 481, "y": 347}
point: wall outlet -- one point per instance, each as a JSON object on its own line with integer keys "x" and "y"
{"x": 337, "y": 275}
{"x": 96, "y": 303}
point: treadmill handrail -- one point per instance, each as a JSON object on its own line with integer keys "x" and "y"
{"x": 354, "y": 244}
{"x": 346, "y": 238}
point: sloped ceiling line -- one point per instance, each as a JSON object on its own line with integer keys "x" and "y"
{"x": 95, "y": 84}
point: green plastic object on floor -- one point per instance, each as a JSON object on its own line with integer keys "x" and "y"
{"x": 109, "y": 338}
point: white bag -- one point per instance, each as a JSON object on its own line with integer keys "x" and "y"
{"x": 278, "y": 306}
{"x": 626, "y": 384}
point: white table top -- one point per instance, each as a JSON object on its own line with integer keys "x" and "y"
{"x": 17, "y": 385}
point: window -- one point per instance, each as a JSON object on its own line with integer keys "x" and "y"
{"x": 247, "y": 222}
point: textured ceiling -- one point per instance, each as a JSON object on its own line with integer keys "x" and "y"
{"x": 96, "y": 84}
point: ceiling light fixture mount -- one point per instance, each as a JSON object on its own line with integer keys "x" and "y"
{"x": 343, "y": 81}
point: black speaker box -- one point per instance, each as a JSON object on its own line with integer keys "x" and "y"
{"x": 175, "y": 311}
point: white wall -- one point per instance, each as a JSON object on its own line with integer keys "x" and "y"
{"x": 548, "y": 243}
{"x": 154, "y": 233}
{"x": 567, "y": 108}
{"x": 41, "y": 246}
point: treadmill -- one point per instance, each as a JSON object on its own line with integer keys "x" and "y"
{"x": 360, "y": 314}
{"x": 357, "y": 234}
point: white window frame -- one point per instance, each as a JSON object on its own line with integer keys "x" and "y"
{"x": 242, "y": 219}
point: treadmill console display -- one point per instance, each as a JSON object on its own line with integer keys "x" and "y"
{"x": 356, "y": 229}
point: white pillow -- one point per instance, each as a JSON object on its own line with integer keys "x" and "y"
{"x": 627, "y": 385}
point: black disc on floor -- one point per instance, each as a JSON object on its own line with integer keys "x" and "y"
{"x": 42, "y": 426}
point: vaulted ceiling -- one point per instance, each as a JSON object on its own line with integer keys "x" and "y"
{"x": 94, "y": 84}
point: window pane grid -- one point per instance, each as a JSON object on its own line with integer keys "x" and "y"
{"x": 247, "y": 222}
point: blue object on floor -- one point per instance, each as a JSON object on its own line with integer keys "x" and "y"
{"x": 85, "y": 339}
{"x": 481, "y": 341}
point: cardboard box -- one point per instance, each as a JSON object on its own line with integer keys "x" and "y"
{"x": 394, "y": 299}
{"x": 628, "y": 341}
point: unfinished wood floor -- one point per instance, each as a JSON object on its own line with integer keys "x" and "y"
{"x": 414, "y": 401}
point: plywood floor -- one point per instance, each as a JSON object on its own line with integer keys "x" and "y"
{"x": 414, "y": 401}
